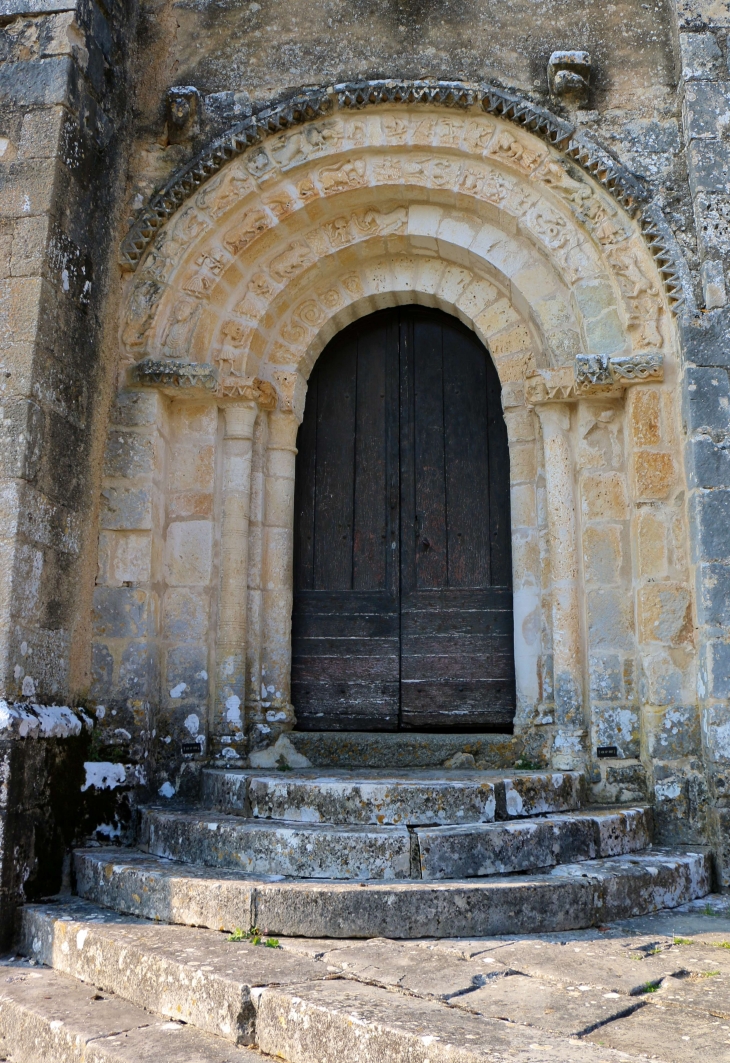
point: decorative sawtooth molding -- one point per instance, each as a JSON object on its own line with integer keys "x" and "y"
{"x": 581, "y": 148}
{"x": 593, "y": 374}
{"x": 168, "y": 373}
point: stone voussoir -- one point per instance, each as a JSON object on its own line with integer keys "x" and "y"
{"x": 569, "y": 897}
{"x": 268, "y": 848}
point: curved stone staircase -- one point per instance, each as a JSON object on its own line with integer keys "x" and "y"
{"x": 329, "y": 853}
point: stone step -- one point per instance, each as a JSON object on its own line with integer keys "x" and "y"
{"x": 186, "y": 974}
{"x": 327, "y": 1022}
{"x": 571, "y": 896}
{"x": 481, "y": 849}
{"x": 379, "y": 798}
{"x": 365, "y": 749}
{"x": 46, "y": 1017}
{"x": 257, "y": 847}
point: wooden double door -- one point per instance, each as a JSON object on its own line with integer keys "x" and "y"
{"x": 402, "y": 562}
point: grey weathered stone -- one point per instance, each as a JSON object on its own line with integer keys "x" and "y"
{"x": 496, "y": 848}
{"x": 46, "y": 1016}
{"x": 35, "y": 83}
{"x": 711, "y": 516}
{"x": 654, "y": 1031}
{"x": 259, "y": 848}
{"x": 707, "y": 404}
{"x": 708, "y": 462}
{"x": 346, "y": 797}
{"x": 359, "y": 749}
{"x": 332, "y": 1021}
{"x": 535, "y": 794}
{"x": 193, "y": 975}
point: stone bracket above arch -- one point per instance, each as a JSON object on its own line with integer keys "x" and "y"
{"x": 305, "y": 107}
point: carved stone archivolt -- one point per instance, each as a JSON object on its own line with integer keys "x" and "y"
{"x": 307, "y": 228}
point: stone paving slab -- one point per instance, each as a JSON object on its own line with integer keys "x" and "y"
{"x": 310, "y": 851}
{"x": 45, "y": 1016}
{"x": 537, "y": 794}
{"x": 376, "y": 800}
{"x": 527, "y": 844}
{"x": 570, "y": 897}
{"x": 196, "y": 976}
{"x": 667, "y": 1035}
{"x": 529, "y": 1001}
{"x": 335, "y": 1021}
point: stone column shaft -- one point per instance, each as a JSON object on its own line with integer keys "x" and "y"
{"x": 563, "y": 544}
{"x": 277, "y": 575}
{"x": 231, "y": 634}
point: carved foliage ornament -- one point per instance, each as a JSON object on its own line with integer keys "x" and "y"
{"x": 318, "y": 103}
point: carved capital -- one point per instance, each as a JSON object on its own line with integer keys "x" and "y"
{"x": 175, "y": 376}
{"x": 593, "y": 374}
{"x": 250, "y": 389}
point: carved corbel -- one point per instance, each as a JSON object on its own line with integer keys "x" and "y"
{"x": 593, "y": 374}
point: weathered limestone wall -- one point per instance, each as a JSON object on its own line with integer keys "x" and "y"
{"x": 703, "y": 27}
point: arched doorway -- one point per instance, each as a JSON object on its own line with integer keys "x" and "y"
{"x": 402, "y": 559}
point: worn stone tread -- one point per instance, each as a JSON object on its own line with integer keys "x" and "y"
{"x": 567, "y": 898}
{"x": 660, "y": 1033}
{"x": 46, "y": 1017}
{"x": 339, "y": 1020}
{"x": 369, "y": 798}
{"x": 192, "y": 975}
{"x": 363, "y": 749}
{"x": 526, "y": 844}
{"x": 313, "y": 851}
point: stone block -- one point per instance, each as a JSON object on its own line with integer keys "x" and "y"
{"x": 718, "y": 654}
{"x": 665, "y": 613}
{"x": 603, "y": 496}
{"x": 189, "y": 553}
{"x": 712, "y": 275}
{"x": 135, "y": 408}
{"x": 710, "y": 517}
{"x": 654, "y": 474}
{"x": 30, "y": 237}
{"x": 618, "y": 726}
{"x": 523, "y": 462}
{"x": 185, "y": 614}
{"x": 126, "y": 508}
{"x": 523, "y": 506}
{"x": 701, "y": 14}
{"x": 713, "y": 595}
{"x": 102, "y": 671}
{"x": 186, "y": 675}
{"x": 706, "y": 105}
{"x": 124, "y": 557}
{"x": 192, "y": 468}
{"x": 138, "y": 678}
{"x": 128, "y": 454}
{"x": 520, "y": 424}
{"x": 708, "y": 463}
{"x": 672, "y": 732}
{"x": 40, "y": 133}
{"x": 706, "y": 337}
{"x": 605, "y": 677}
{"x": 602, "y": 553}
{"x": 11, "y": 8}
{"x": 707, "y": 400}
{"x": 645, "y": 417}
{"x": 604, "y": 334}
{"x": 123, "y": 612}
{"x": 709, "y": 162}
{"x": 610, "y": 619}
{"x": 652, "y": 543}
{"x": 261, "y": 848}
{"x": 35, "y": 82}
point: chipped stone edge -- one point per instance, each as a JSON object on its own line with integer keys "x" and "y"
{"x": 584, "y": 150}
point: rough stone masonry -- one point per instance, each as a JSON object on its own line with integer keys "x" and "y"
{"x": 196, "y": 197}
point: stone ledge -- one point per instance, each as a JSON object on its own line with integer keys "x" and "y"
{"x": 23, "y": 720}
